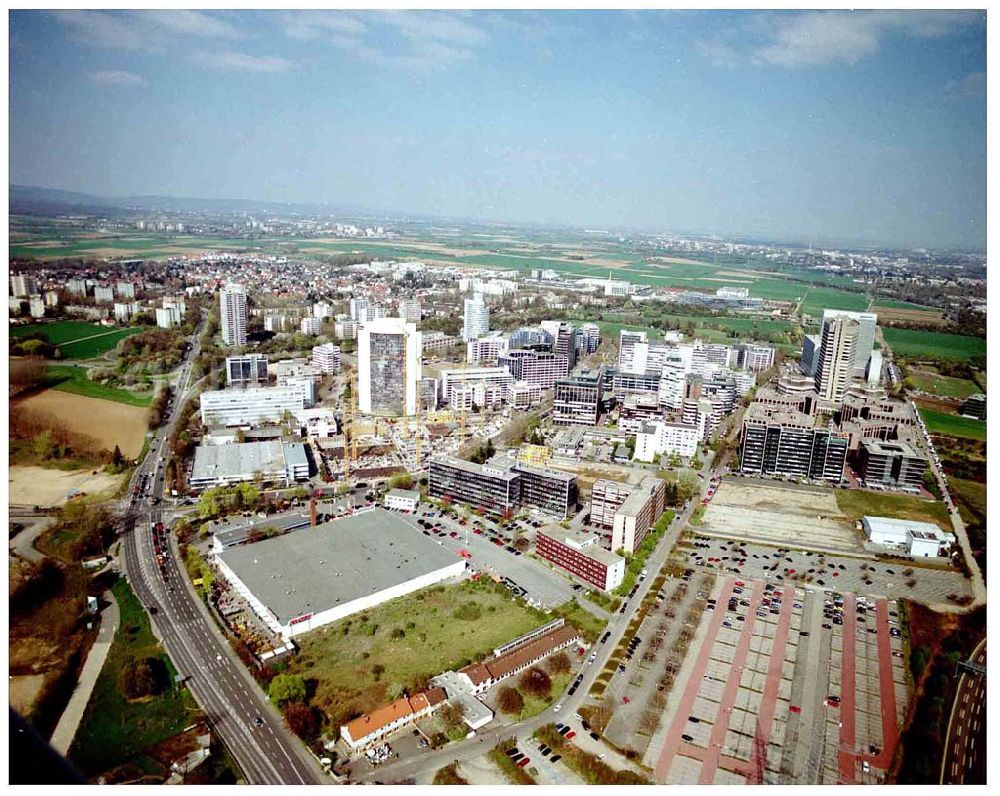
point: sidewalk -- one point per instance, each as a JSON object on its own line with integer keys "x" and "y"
{"x": 70, "y": 720}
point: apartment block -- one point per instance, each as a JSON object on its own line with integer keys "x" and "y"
{"x": 581, "y": 555}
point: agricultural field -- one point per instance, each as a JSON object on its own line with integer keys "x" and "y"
{"x": 918, "y": 344}
{"x": 357, "y": 661}
{"x": 72, "y": 379}
{"x": 77, "y": 340}
{"x": 952, "y": 425}
{"x": 109, "y": 423}
{"x": 116, "y": 731}
{"x": 822, "y": 298}
{"x": 59, "y": 244}
{"x": 937, "y": 384}
{"x": 909, "y": 314}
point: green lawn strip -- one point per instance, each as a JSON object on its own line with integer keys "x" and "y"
{"x": 356, "y": 662}
{"x": 114, "y": 730}
{"x": 68, "y": 378}
{"x": 533, "y": 705}
{"x": 87, "y": 349}
{"x": 935, "y": 383}
{"x": 603, "y": 600}
{"x": 636, "y": 562}
{"x": 65, "y": 332}
{"x": 952, "y": 425}
{"x": 917, "y": 343}
{"x": 590, "y": 769}
{"x": 514, "y": 773}
{"x": 856, "y": 503}
{"x": 590, "y": 626}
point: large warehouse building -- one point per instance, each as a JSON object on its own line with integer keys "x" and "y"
{"x": 310, "y": 578}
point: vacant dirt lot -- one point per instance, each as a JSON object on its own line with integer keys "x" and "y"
{"x": 780, "y": 515}
{"x": 108, "y": 422}
{"x": 40, "y": 486}
{"x": 901, "y": 315}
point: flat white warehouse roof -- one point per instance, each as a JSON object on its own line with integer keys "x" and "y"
{"x": 316, "y": 569}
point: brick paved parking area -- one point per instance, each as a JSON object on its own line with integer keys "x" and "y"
{"x": 811, "y": 569}
{"x": 784, "y": 685}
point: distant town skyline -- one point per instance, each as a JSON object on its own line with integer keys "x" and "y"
{"x": 851, "y": 126}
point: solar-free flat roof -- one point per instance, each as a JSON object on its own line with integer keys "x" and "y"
{"x": 319, "y": 568}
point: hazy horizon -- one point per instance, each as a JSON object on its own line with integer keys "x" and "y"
{"x": 864, "y": 127}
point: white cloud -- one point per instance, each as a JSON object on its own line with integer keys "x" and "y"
{"x": 307, "y": 25}
{"x": 117, "y": 77}
{"x": 972, "y": 86}
{"x": 815, "y": 38}
{"x": 410, "y": 40}
{"x": 231, "y": 61}
{"x": 151, "y": 31}
{"x": 192, "y": 23}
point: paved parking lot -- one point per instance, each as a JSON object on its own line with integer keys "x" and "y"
{"x": 542, "y": 586}
{"x": 651, "y": 671}
{"x": 810, "y": 569}
{"x": 785, "y": 685}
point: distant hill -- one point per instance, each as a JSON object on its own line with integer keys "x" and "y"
{"x": 33, "y": 199}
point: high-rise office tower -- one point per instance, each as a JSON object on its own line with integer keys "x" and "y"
{"x": 233, "y": 314}
{"x": 477, "y": 318}
{"x": 389, "y": 367}
{"x": 866, "y": 335}
{"x": 836, "y": 360}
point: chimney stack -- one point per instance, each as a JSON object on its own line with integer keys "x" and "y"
{"x": 312, "y": 513}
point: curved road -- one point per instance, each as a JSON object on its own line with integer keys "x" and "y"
{"x": 232, "y": 701}
{"x": 965, "y": 746}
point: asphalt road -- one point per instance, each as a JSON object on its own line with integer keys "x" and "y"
{"x": 431, "y": 760}
{"x": 965, "y": 747}
{"x": 231, "y": 700}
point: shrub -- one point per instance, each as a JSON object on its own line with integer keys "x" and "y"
{"x": 509, "y": 700}
{"x": 301, "y": 720}
{"x": 143, "y": 678}
{"x": 536, "y": 682}
{"x": 287, "y": 688}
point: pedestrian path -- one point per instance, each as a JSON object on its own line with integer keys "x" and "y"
{"x": 70, "y": 720}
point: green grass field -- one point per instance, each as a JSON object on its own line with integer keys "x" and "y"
{"x": 69, "y": 378}
{"x": 953, "y": 425}
{"x": 71, "y": 336}
{"x": 857, "y": 503}
{"x": 947, "y": 386}
{"x": 916, "y": 344}
{"x": 114, "y": 730}
{"x": 413, "y": 637}
{"x": 41, "y": 246}
{"x": 822, "y": 298}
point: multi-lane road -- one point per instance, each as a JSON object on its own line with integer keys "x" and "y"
{"x": 234, "y": 705}
{"x": 965, "y": 746}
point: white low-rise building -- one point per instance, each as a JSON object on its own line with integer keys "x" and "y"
{"x": 251, "y": 406}
{"x": 659, "y": 437}
{"x": 916, "y": 539}
{"x": 270, "y": 461}
{"x": 402, "y": 499}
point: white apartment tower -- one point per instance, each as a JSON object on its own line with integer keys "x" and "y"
{"x": 867, "y": 322}
{"x": 233, "y": 314}
{"x": 836, "y": 358}
{"x": 477, "y": 318}
{"x": 389, "y": 367}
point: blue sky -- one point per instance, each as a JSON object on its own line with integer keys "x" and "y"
{"x": 834, "y": 126}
